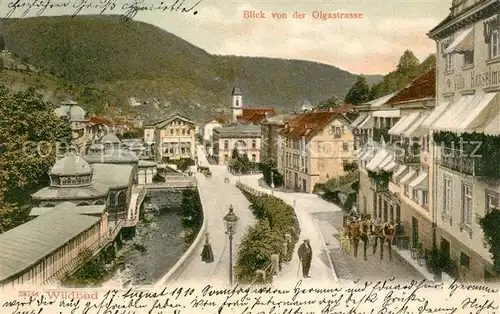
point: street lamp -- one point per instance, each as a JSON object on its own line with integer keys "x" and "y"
{"x": 230, "y": 223}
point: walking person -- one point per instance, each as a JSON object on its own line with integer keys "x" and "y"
{"x": 305, "y": 256}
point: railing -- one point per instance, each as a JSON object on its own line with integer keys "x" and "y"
{"x": 458, "y": 160}
{"x": 114, "y": 232}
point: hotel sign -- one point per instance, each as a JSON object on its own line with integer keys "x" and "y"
{"x": 473, "y": 79}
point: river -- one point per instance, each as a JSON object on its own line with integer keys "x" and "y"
{"x": 158, "y": 244}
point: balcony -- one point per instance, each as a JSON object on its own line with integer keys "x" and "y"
{"x": 378, "y": 133}
{"x": 460, "y": 161}
{"x": 408, "y": 156}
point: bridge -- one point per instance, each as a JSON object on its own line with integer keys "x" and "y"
{"x": 174, "y": 182}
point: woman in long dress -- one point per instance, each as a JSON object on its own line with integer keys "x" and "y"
{"x": 207, "y": 255}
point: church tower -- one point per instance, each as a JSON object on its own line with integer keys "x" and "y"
{"x": 237, "y": 102}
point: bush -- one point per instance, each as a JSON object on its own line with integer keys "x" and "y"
{"x": 267, "y": 170}
{"x": 275, "y": 219}
{"x": 158, "y": 178}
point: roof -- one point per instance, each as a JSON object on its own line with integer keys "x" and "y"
{"x": 236, "y": 90}
{"x": 423, "y": 87}
{"x": 25, "y": 245}
{"x": 380, "y": 101}
{"x": 255, "y": 115}
{"x": 106, "y": 176}
{"x": 308, "y": 124}
{"x": 146, "y": 163}
{"x": 215, "y": 119}
{"x": 237, "y": 131}
{"x": 278, "y": 119}
{"x": 99, "y": 120}
{"x": 71, "y": 111}
{"x": 110, "y": 138}
{"x": 81, "y": 210}
{"x": 71, "y": 165}
{"x": 166, "y": 120}
{"x": 113, "y": 156}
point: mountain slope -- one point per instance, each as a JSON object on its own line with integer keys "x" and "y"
{"x": 148, "y": 62}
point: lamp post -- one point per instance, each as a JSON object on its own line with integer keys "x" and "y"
{"x": 230, "y": 221}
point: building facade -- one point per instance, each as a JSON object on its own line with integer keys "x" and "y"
{"x": 313, "y": 147}
{"x": 270, "y": 128}
{"x": 468, "y": 85}
{"x": 245, "y": 138}
{"x": 172, "y": 137}
{"x": 83, "y": 131}
{"x": 209, "y": 127}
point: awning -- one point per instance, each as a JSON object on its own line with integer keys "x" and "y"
{"x": 361, "y": 154}
{"x": 455, "y": 110}
{"x": 379, "y": 157}
{"x": 477, "y": 112}
{"x": 464, "y": 41}
{"x": 408, "y": 177}
{"x": 403, "y": 124}
{"x": 368, "y": 156}
{"x": 391, "y": 166}
{"x": 421, "y": 182}
{"x": 387, "y": 114}
{"x": 400, "y": 172}
{"x": 493, "y": 127}
{"x": 416, "y": 129}
{"x": 386, "y": 161}
{"x": 367, "y": 124}
{"x": 359, "y": 119}
{"x": 435, "y": 114}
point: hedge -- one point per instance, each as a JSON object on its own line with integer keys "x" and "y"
{"x": 275, "y": 219}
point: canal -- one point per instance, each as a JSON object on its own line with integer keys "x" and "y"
{"x": 159, "y": 243}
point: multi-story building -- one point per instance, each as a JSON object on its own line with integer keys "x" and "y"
{"x": 172, "y": 137}
{"x": 270, "y": 128}
{"x": 313, "y": 148}
{"x": 245, "y": 138}
{"x": 83, "y": 131}
{"x": 241, "y": 115}
{"x": 467, "y": 112}
{"x": 395, "y": 168}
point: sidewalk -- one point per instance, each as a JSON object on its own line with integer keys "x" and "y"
{"x": 321, "y": 266}
{"x": 216, "y": 197}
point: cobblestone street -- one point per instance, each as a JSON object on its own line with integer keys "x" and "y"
{"x": 350, "y": 268}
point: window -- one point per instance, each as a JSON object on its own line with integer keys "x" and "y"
{"x": 406, "y": 189}
{"x": 466, "y": 204}
{"x": 226, "y": 157}
{"x": 468, "y": 58}
{"x": 226, "y": 144}
{"x": 321, "y": 165}
{"x": 254, "y": 143}
{"x": 183, "y": 131}
{"x": 171, "y": 132}
{"x": 494, "y": 46}
{"x": 449, "y": 62}
{"x": 464, "y": 260}
{"x": 415, "y": 195}
{"x": 253, "y": 158}
{"x": 425, "y": 198}
{"x": 491, "y": 201}
{"x": 345, "y": 146}
{"x": 237, "y": 102}
{"x": 447, "y": 195}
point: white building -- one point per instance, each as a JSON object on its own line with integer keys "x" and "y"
{"x": 468, "y": 101}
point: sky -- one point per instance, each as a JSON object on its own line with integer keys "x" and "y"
{"x": 368, "y": 45}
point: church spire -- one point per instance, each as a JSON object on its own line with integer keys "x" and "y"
{"x": 236, "y": 90}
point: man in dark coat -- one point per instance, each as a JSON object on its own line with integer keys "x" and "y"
{"x": 305, "y": 256}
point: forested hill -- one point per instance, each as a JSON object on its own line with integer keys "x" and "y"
{"x": 136, "y": 59}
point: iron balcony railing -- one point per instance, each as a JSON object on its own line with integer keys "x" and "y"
{"x": 459, "y": 160}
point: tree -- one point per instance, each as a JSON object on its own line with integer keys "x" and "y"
{"x": 332, "y": 102}
{"x": 407, "y": 62}
{"x": 2, "y": 64}
{"x": 2, "y": 42}
{"x": 359, "y": 92}
{"x": 490, "y": 224}
{"x": 30, "y": 133}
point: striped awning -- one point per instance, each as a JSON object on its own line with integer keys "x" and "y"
{"x": 410, "y": 175}
{"x": 421, "y": 182}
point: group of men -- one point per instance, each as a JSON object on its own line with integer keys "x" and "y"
{"x": 368, "y": 231}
